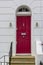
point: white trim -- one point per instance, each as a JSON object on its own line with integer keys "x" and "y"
{"x": 23, "y": 13}
{"x": 23, "y": 54}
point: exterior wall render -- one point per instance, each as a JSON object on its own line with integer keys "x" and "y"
{"x": 8, "y": 14}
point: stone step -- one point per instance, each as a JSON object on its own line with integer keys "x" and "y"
{"x": 22, "y": 63}
{"x": 23, "y": 58}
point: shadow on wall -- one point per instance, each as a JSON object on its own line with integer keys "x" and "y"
{"x": 40, "y": 60}
{"x": 41, "y": 63}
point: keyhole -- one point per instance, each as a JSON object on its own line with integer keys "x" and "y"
{"x": 23, "y": 36}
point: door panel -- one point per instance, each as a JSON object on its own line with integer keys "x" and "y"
{"x": 23, "y": 45}
{"x": 20, "y": 23}
{"x": 23, "y": 34}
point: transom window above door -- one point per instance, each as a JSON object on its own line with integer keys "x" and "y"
{"x": 23, "y": 10}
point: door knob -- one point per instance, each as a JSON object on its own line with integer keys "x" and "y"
{"x": 23, "y": 24}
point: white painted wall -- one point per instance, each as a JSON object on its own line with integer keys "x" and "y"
{"x": 8, "y": 14}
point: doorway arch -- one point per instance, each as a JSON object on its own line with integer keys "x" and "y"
{"x": 23, "y": 9}
{"x": 23, "y": 32}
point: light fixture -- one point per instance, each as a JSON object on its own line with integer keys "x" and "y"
{"x": 10, "y": 24}
{"x": 36, "y": 24}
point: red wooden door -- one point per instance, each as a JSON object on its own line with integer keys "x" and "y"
{"x": 23, "y": 34}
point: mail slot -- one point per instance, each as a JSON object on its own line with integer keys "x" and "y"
{"x": 23, "y": 34}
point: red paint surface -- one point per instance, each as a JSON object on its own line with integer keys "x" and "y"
{"x": 23, "y": 41}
